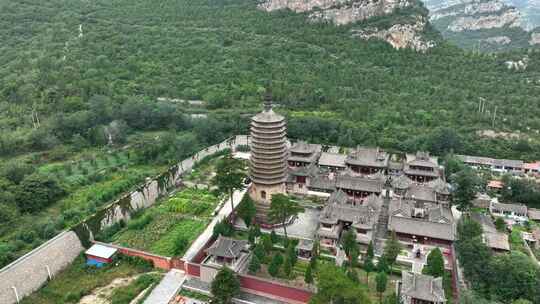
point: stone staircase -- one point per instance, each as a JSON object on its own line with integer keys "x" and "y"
{"x": 382, "y": 226}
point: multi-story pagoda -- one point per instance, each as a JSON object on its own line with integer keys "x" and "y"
{"x": 268, "y": 162}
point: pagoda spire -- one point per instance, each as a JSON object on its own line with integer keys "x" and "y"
{"x": 268, "y": 99}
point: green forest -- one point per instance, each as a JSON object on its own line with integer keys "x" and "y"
{"x": 90, "y": 96}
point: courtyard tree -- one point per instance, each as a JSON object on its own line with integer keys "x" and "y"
{"x": 225, "y": 286}
{"x": 391, "y": 250}
{"x": 247, "y": 210}
{"x": 259, "y": 251}
{"x": 435, "y": 263}
{"x": 282, "y": 208}
{"x": 334, "y": 286}
{"x": 308, "y": 275}
{"x": 381, "y": 281}
{"x": 229, "y": 177}
{"x": 466, "y": 184}
{"x": 348, "y": 243}
{"x": 267, "y": 243}
{"x": 292, "y": 255}
{"x": 500, "y": 224}
{"x": 275, "y": 265}
{"x": 369, "y": 265}
{"x": 253, "y": 233}
{"x": 254, "y": 264}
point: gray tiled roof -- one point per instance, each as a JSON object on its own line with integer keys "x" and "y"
{"x": 401, "y": 182}
{"x": 362, "y": 216}
{"x": 303, "y": 147}
{"x": 332, "y": 160}
{"x": 358, "y": 183}
{"x": 487, "y": 161}
{"x": 369, "y": 157}
{"x": 422, "y": 287}
{"x": 437, "y": 221}
{"x": 422, "y": 193}
{"x": 439, "y": 186}
{"x": 534, "y": 214}
{"x": 226, "y": 247}
{"x": 322, "y": 182}
{"x": 518, "y": 208}
{"x": 422, "y": 159}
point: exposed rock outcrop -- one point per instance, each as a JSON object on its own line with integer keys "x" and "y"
{"x": 502, "y": 40}
{"x": 338, "y": 11}
{"x": 399, "y": 36}
{"x": 508, "y": 18}
{"x": 535, "y": 39}
{"x": 519, "y": 65}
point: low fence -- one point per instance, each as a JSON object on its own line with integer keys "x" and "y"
{"x": 30, "y": 272}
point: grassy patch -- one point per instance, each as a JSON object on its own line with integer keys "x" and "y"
{"x": 194, "y": 295}
{"x": 78, "y": 280}
{"x": 126, "y": 294}
{"x": 170, "y": 227}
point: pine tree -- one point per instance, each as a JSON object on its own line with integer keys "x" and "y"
{"x": 267, "y": 243}
{"x": 308, "y": 276}
{"x": 381, "y": 279}
{"x": 274, "y": 237}
{"x": 275, "y": 264}
{"x": 292, "y": 255}
{"x": 435, "y": 263}
{"x": 287, "y": 266}
{"x": 254, "y": 265}
{"x": 369, "y": 266}
{"x": 259, "y": 252}
{"x": 225, "y": 286}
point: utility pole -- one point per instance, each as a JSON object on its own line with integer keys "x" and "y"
{"x": 494, "y": 115}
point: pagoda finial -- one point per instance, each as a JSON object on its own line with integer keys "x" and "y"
{"x": 268, "y": 99}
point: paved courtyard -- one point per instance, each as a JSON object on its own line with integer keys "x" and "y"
{"x": 303, "y": 227}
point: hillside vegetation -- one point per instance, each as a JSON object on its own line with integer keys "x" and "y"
{"x": 78, "y": 76}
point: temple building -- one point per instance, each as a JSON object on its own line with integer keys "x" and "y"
{"x": 367, "y": 160}
{"x": 341, "y": 214}
{"x": 416, "y": 221}
{"x": 415, "y": 288}
{"x": 421, "y": 167}
{"x": 302, "y": 154}
{"x": 268, "y": 160}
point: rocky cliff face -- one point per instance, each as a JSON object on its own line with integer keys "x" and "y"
{"x": 488, "y": 25}
{"x": 400, "y": 36}
{"x": 340, "y": 12}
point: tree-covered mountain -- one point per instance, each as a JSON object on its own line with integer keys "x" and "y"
{"x": 76, "y": 66}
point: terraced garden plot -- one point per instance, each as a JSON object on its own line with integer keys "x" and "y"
{"x": 169, "y": 228}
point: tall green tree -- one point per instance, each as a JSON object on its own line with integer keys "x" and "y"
{"x": 229, "y": 176}
{"x": 348, "y": 242}
{"x": 282, "y": 208}
{"x": 435, "y": 263}
{"x": 381, "y": 281}
{"x": 225, "y": 286}
{"x": 275, "y": 264}
{"x": 247, "y": 210}
{"x": 254, "y": 264}
{"x": 392, "y": 249}
{"x": 369, "y": 265}
{"x": 308, "y": 275}
{"x": 334, "y": 286}
{"x": 36, "y": 192}
{"x": 466, "y": 184}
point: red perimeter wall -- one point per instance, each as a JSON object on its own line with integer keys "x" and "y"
{"x": 279, "y": 291}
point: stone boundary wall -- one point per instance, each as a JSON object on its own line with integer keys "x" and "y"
{"x": 28, "y": 273}
{"x": 31, "y": 271}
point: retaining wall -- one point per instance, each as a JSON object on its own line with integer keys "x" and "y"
{"x": 31, "y": 271}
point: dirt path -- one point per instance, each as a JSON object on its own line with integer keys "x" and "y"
{"x": 101, "y": 295}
